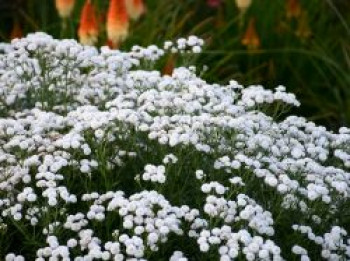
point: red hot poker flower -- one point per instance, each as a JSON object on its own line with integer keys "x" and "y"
{"x": 251, "y": 38}
{"x": 117, "y": 22}
{"x": 88, "y": 28}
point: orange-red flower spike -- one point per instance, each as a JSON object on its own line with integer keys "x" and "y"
{"x": 117, "y": 22}
{"x": 293, "y": 9}
{"x": 88, "y": 28}
{"x": 251, "y": 38}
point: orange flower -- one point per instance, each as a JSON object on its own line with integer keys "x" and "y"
{"x": 251, "y": 38}
{"x": 293, "y": 8}
{"x": 135, "y": 8}
{"x": 65, "y": 7}
{"x": 117, "y": 22}
{"x": 16, "y": 31}
{"x": 88, "y": 28}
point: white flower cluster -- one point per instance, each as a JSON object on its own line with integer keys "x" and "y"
{"x": 13, "y": 257}
{"x": 154, "y": 173}
{"x": 191, "y": 44}
{"x": 105, "y": 160}
{"x": 244, "y": 209}
{"x": 258, "y": 95}
{"x": 151, "y": 53}
{"x": 302, "y": 252}
{"x": 334, "y": 244}
{"x": 5, "y": 48}
{"x": 231, "y": 244}
{"x": 178, "y": 256}
{"x": 170, "y": 159}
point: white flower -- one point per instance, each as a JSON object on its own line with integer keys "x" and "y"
{"x": 298, "y": 250}
{"x": 71, "y": 243}
{"x": 206, "y": 188}
{"x": 199, "y": 174}
{"x": 204, "y": 247}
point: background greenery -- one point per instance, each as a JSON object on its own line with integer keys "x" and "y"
{"x": 309, "y": 54}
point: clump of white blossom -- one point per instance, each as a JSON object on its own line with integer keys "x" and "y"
{"x": 104, "y": 158}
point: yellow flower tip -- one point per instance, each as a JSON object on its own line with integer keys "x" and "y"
{"x": 117, "y": 22}
{"x": 243, "y": 5}
{"x": 88, "y": 28}
{"x": 293, "y": 9}
{"x": 135, "y": 8}
{"x": 64, "y": 7}
{"x": 251, "y": 38}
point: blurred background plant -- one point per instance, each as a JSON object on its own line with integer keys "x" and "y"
{"x": 302, "y": 44}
